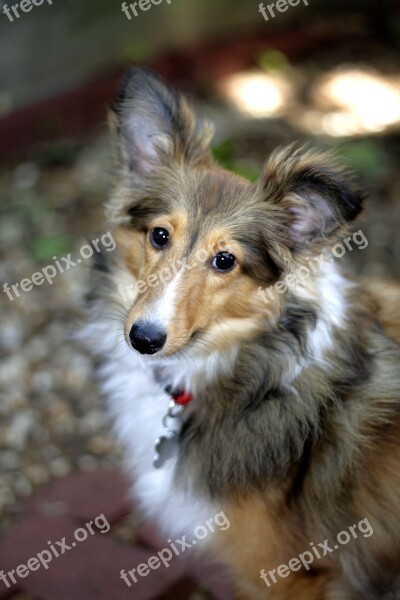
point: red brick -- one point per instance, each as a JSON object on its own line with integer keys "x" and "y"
{"x": 180, "y": 591}
{"x": 89, "y": 571}
{"x": 214, "y": 578}
{"x": 149, "y": 535}
{"x": 85, "y": 495}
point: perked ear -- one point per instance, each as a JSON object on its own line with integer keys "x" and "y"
{"x": 155, "y": 125}
{"x": 311, "y": 194}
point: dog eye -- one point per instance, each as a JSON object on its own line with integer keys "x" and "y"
{"x": 159, "y": 237}
{"x": 224, "y": 262}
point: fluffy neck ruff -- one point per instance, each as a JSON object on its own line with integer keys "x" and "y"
{"x": 255, "y": 424}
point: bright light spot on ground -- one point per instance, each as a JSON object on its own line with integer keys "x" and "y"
{"x": 256, "y": 94}
{"x": 357, "y": 101}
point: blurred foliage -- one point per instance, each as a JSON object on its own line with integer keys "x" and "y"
{"x": 224, "y": 155}
{"x": 85, "y": 13}
{"x": 26, "y": 205}
{"x": 33, "y": 212}
{"x": 47, "y": 247}
{"x": 273, "y": 61}
{"x": 367, "y": 157}
{"x": 137, "y": 51}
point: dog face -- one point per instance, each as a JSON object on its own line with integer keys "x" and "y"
{"x": 199, "y": 240}
{"x": 197, "y": 271}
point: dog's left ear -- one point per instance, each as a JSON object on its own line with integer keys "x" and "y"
{"x": 155, "y": 125}
{"x": 310, "y": 197}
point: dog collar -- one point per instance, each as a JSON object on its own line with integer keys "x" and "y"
{"x": 180, "y": 397}
{"x": 166, "y": 446}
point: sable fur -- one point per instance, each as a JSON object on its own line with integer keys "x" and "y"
{"x": 295, "y": 446}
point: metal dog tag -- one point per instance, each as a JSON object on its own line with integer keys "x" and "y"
{"x": 166, "y": 447}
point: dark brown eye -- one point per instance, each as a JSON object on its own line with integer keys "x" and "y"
{"x": 159, "y": 238}
{"x": 224, "y": 262}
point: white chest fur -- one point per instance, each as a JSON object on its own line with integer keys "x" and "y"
{"x": 138, "y": 406}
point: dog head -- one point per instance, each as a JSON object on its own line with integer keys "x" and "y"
{"x": 199, "y": 241}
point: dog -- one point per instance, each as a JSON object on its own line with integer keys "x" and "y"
{"x": 285, "y": 414}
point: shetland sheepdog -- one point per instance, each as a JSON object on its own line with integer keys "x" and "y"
{"x": 285, "y": 413}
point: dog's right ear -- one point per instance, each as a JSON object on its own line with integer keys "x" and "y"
{"x": 309, "y": 197}
{"x": 155, "y": 126}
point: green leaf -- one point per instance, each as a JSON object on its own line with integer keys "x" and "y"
{"x": 46, "y": 247}
{"x": 274, "y": 61}
{"x": 365, "y": 156}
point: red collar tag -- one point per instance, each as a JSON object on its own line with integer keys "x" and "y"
{"x": 182, "y": 398}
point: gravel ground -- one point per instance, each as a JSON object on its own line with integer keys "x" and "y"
{"x": 51, "y": 415}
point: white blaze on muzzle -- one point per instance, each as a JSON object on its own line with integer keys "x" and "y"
{"x": 162, "y": 311}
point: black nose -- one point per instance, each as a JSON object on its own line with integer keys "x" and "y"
{"x": 147, "y": 338}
